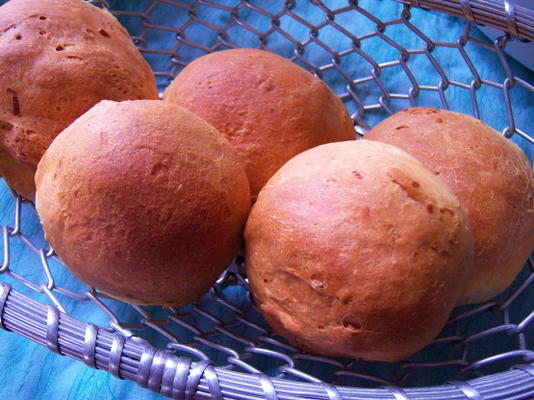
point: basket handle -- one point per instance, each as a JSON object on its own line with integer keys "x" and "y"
{"x": 158, "y": 370}
{"x": 501, "y": 14}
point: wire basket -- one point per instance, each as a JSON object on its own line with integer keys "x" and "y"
{"x": 379, "y": 58}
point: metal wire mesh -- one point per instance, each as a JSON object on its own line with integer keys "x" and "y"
{"x": 352, "y": 48}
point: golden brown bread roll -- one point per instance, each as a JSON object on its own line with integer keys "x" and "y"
{"x": 57, "y": 59}
{"x": 492, "y": 179}
{"x": 356, "y": 249}
{"x": 269, "y": 108}
{"x": 143, "y": 200}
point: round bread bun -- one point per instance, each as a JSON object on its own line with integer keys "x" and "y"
{"x": 57, "y": 59}
{"x": 356, "y": 249}
{"x": 269, "y": 108}
{"x": 491, "y": 177}
{"x": 143, "y": 200}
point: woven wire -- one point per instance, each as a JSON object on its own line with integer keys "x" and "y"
{"x": 375, "y": 76}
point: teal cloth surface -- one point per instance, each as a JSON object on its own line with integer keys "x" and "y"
{"x": 31, "y": 372}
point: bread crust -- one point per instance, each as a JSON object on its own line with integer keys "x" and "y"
{"x": 143, "y": 200}
{"x": 57, "y": 59}
{"x": 356, "y": 249}
{"x": 491, "y": 177}
{"x": 269, "y": 108}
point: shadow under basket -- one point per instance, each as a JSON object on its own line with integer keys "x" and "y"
{"x": 379, "y": 57}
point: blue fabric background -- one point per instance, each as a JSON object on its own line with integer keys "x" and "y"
{"x": 28, "y": 371}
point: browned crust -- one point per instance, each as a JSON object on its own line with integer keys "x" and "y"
{"x": 492, "y": 179}
{"x": 356, "y": 249}
{"x": 269, "y": 108}
{"x": 57, "y": 59}
{"x": 143, "y": 200}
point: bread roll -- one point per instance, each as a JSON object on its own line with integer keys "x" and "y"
{"x": 269, "y": 108}
{"x": 143, "y": 200}
{"x": 57, "y": 59}
{"x": 356, "y": 249}
{"x": 491, "y": 177}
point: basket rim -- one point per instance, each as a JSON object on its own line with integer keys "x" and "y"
{"x": 61, "y": 334}
{"x": 505, "y": 15}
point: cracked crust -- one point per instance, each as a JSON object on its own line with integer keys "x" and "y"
{"x": 491, "y": 177}
{"x": 143, "y": 200}
{"x": 269, "y": 108}
{"x": 356, "y": 249}
{"x": 57, "y": 59}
